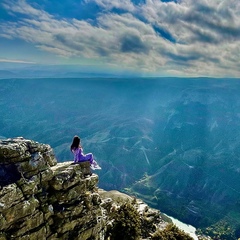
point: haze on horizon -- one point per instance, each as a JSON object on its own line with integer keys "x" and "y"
{"x": 148, "y": 37}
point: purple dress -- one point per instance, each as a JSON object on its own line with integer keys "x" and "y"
{"x": 80, "y": 157}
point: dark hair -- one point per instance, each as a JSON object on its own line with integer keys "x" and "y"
{"x": 75, "y": 143}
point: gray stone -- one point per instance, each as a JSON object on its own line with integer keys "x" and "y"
{"x": 43, "y": 199}
{"x": 10, "y": 195}
{"x": 22, "y": 209}
{"x": 32, "y": 222}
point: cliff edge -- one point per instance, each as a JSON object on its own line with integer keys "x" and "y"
{"x": 43, "y": 199}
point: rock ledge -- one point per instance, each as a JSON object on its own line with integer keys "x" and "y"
{"x": 43, "y": 199}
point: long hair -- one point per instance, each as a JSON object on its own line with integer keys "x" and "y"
{"x": 75, "y": 143}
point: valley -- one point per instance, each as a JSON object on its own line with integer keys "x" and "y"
{"x": 172, "y": 142}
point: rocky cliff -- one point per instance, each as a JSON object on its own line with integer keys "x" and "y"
{"x": 43, "y": 199}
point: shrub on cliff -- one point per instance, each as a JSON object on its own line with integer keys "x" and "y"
{"x": 126, "y": 223}
{"x": 170, "y": 232}
{"x": 220, "y": 230}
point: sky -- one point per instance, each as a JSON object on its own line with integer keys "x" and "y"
{"x": 149, "y": 37}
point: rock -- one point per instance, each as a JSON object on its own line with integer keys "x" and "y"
{"x": 116, "y": 196}
{"x": 10, "y": 195}
{"x": 43, "y": 199}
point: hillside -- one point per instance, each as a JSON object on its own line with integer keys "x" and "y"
{"x": 172, "y": 142}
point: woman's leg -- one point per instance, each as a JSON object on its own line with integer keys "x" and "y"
{"x": 88, "y": 157}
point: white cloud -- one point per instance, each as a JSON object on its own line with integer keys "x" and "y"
{"x": 21, "y": 6}
{"x": 15, "y": 61}
{"x": 111, "y": 4}
{"x": 185, "y": 38}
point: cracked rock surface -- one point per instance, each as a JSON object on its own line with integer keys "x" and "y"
{"x": 43, "y": 199}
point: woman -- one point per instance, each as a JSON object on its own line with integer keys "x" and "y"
{"x": 79, "y": 156}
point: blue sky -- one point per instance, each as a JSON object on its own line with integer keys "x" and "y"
{"x": 151, "y": 37}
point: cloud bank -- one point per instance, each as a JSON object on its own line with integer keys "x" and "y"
{"x": 179, "y": 38}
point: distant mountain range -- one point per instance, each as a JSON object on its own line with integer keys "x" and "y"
{"x": 23, "y": 70}
{"x": 7, "y": 74}
{"x": 173, "y": 142}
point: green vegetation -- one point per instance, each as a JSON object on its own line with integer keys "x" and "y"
{"x": 170, "y": 232}
{"x": 126, "y": 223}
{"x": 221, "y": 230}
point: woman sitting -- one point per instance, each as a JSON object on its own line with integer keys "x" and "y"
{"x": 79, "y": 156}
